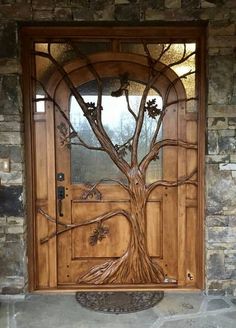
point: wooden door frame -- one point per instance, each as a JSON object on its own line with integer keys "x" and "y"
{"x": 159, "y": 33}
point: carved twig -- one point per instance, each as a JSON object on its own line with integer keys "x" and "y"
{"x": 166, "y": 105}
{"x": 160, "y": 144}
{"x": 109, "y": 180}
{"x": 75, "y": 133}
{"x": 128, "y": 105}
{"x": 179, "y": 182}
{"x": 69, "y": 227}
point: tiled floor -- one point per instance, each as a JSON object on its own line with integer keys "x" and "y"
{"x": 62, "y": 311}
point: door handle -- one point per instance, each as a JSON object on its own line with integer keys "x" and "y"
{"x": 60, "y": 197}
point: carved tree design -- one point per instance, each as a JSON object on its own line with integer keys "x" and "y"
{"x": 135, "y": 265}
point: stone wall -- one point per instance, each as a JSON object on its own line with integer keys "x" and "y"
{"x": 221, "y": 114}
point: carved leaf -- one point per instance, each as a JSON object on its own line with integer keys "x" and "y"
{"x": 152, "y": 109}
{"x": 91, "y": 110}
{"x": 98, "y": 234}
{"x": 62, "y": 128}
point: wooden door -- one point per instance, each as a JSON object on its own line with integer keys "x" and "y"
{"x": 118, "y": 204}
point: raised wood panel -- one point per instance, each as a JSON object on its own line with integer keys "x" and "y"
{"x": 155, "y": 229}
{"x": 42, "y": 259}
{"x": 41, "y": 160}
{"x": 117, "y": 240}
{"x": 191, "y": 246}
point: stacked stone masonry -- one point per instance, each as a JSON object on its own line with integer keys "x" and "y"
{"x": 220, "y": 130}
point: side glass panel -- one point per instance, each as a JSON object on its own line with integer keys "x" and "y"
{"x": 89, "y": 166}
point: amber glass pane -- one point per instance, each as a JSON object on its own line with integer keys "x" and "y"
{"x": 88, "y": 166}
{"x": 174, "y": 53}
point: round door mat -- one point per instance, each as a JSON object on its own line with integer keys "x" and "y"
{"x": 119, "y": 302}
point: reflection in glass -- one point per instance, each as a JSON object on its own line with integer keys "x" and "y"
{"x": 89, "y": 166}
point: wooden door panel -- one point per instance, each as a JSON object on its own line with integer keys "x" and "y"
{"x": 114, "y": 244}
{"x": 155, "y": 229}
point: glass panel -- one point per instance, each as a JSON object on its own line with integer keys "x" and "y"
{"x": 88, "y": 166}
{"x": 63, "y": 53}
{"x": 40, "y": 105}
{"x": 173, "y": 54}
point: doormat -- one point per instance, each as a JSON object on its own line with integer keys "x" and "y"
{"x": 118, "y": 302}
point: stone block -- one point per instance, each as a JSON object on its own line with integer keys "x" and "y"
{"x": 11, "y": 126}
{"x": 9, "y": 66}
{"x": 214, "y": 14}
{"x": 220, "y": 89}
{"x": 121, "y": 2}
{"x": 2, "y": 237}
{"x": 153, "y": 4}
{"x": 127, "y": 13}
{"x": 221, "y": 191}
{"x": 12, "y": 290}
{"x": 215, "y": 265}
{"x": 154, "y": 14}
{"x": 19, "y": 12}
{"x": 80, "y": 4}
{"x": 10, "y": 138}
{"x": 81, "y": 13}
{"x": 12, "y": 152}
{"x": 173, "y": 4}
{"x": 11, "y": 195}
{"x": 227, "y": 167}
{"x": 12, "y": 178}
{"x": 12, "y": 220}
{"x": 15, "y": 230}
{"x": 214, "y": 159}
{"x": 210, "y": 4}
{"x": 232, "y": 121}
{"x": 43, "y": 15}
{"x": 220, "y": 246}
{"x": 223, "y": 29}
{"x": 226, "y": 133}
{"x": 227, "y": 145}
{"x": 190, "y": 4}
{"x": 217, "y": 123}
{"x": 10, "y": 91}
{"x": 222, "y": 41}
{"x": 43, "y": 4}
{"x": 230, "y": 3}
{"x": 223, "y": 110}
{"x": 220, "y": 51}
{"x": 222, "y": 234}
{"x": 8, "y": 41}
{"x": 212, "y": 145}
{"x": 233, "y": 158}
{"x": 217, "y": 221}
{"x": 3, "y": 220}
{"x": 234, "y": 174}
{"x": 104, "y": 15}
{"x": 11, "y": 259}
{"x": 63, "y": 14}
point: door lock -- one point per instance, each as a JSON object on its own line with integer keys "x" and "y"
{"x": 60, "y": 197}
{"x": 60, "y": 192}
